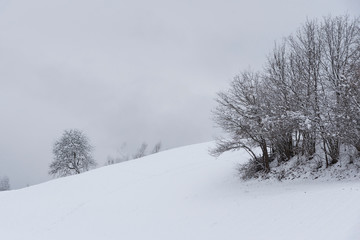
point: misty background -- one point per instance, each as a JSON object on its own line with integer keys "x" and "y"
{"x": 127, "y": 71}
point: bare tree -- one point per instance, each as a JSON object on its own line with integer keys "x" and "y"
{"x": 4, "y": 184}
{"x": 306, "y": 56}
{"x": 141, "y": 152}
{"x": 72, "y": 154}
{"x": 341, "y": 38}
{"x": 156, "y": 148}
{"x": 279, "y": 98}
{"x": 241, "y": 114}
{"x": 120, "y": 156}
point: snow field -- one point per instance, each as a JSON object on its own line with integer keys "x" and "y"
{"x": 180, "y": 194}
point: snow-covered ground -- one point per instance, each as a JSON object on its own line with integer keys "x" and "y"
{"x": 180, "y": 194}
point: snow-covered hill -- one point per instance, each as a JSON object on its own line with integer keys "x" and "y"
{"x": 180, "y": 194}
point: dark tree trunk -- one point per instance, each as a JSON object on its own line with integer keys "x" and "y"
{"x": 265, "y": 156}
{"x": 326, "y": 157}
{"x": 332, "y": 149}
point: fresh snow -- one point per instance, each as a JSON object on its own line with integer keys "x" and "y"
{"x": 180, "y": 194}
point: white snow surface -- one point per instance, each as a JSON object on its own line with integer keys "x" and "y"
{"x": 180, "y": 194}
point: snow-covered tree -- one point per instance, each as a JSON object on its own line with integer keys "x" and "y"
{"x": 240, "y": 113}
{"x": 308, "y": 95}
{"x": 72, "y": 154}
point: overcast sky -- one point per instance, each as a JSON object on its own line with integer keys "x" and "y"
{"x": 127, "y": 71}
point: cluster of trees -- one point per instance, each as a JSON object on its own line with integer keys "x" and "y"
{"x": 142, "y": 151}
{"x": 73, "y": 154}
{"x": 308, "y": 95}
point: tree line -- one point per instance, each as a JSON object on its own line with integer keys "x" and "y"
{"x": 306, "y": 98}
{"x": 73, "y": 154}
{"x": 142, "y": 151}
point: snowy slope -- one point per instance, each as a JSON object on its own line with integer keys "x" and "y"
{"x": 180, "y": 194}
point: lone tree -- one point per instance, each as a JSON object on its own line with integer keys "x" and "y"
{"x": 141, "y": 152}
{"x": 72, "y": 154}
{"x": 156, "y": 148}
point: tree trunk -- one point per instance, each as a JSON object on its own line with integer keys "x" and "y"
{"x": 265, "y": 156}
